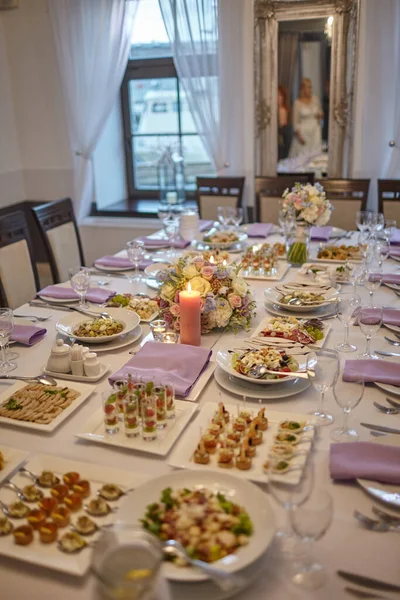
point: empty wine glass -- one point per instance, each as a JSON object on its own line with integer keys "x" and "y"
{"x": 381, "y": 249}
{"x": 236, "y": 216}
{"x": 224, "y": 214}
{"x": 136, "y": 252}
{"x": 372, "y": 281}
{"x": 347, "y": 394}
{"x": 346, "y": 304}
{"x": 80, "y": 282}
{"x": 363, "y": 219}
{"x": 323, "y": 370}
{"x": 6, "y": 329}
{"x": 310, "y": 521}
{"x": 377, "y": 222}
{"x": 388, "y": 229}
{"x": 370, "y": 321}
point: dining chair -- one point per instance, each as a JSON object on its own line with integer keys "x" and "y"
{"x": 309, "y": 174}
{"x": 389, "y": 198}
{"x": 218, "y": 191}
{"x": 19, "y": 280}
{"x": 60, "y": 234}
{"x": 269, "y": 192}
{"x": 347, "y": 197}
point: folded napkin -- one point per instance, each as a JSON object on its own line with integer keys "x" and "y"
{"x": 204, "y": 225}
{"x": 395, "y": 239}
{"x": 391, "y": 278}
{"x": 259, "y": 229}
{"x": 96, "y": 295}
{"x": 321, "y": 233}
{"x": 365, "y": 460}
{"x": 370, "y": 370}
{"x": 27, "y": 334}
{"x": 391, "y": 316}
{"x": 177, "y": 364}
{"x": 121, "y": 262}
{"x": 148, "y": 241}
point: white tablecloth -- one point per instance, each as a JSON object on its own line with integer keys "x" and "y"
{"x": 345, "y": 546}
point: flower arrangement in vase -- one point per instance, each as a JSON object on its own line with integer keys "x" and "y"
{"x": 225, "y": 298}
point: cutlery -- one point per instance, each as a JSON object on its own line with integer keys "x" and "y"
{"x": 36, "y": 479}
{"x": 373, "y": 525}
{"x": 386, "y": 409}
{"x": 20, "y": 492}
{"x": 378, "y": 434}
{"x": 259, "y": 371}
{"x": 36, "y": 317}
{"x": 43, "y": 379}
{"x": 361, "y": 594}
{"x": 393, "y": 342}
{"x": 59, "y": 306}
{"x": 224, "y": 580}
{"x": 375, "y": 584}
{"x": 384, "y": 353}
{"x": 380, "y": 428}
{"x": 47, "y": 305}
{"x": 384, "y": 516}
{"x": 392, "y": 402}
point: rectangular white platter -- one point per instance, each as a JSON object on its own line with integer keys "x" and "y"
{"x": 84, "y": 389}
{"x": 13, "y": 457}
{"x": 282, "y": 269}
{"x": 93, "y": 431}
{"x": 182, "y": 454}
{"x": 266, "y": 320}
{"x": 48, "y": 555}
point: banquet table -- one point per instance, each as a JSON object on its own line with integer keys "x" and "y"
{"x": 345, "y": 546}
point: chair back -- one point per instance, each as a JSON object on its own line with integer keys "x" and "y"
{"x": 269, "y": 192}
{"x": 19, "y": 279}
{"x": 60, "y": 234}
{"x": 389, "y": 198}
{"x": 218, "y": 191}
{"x": 347, "y": 197}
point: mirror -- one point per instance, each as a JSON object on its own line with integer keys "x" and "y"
{"x": 304, "y": 68}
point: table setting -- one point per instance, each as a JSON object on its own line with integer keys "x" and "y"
{"x": 251, "y": 390}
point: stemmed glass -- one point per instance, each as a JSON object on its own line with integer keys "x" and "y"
{"x": 164, "y": 213}
{"x": 310, "y": 521}
{"x": 236, "y": 216}
{"x": 80, "y": 282}
{"x": 347, "y": 394}
{"x": 363, "y": 220}
{"x": 346, "y": 304}
{"x": 370, "y": 321}
{"x": 136, "y": 252}
{"x": 224, "y": 214}
{"x": 323, "y": 370}
{"x": 372, "y": 281}
{"x": 382, "y": 250}
{"x": 6, "y": 328}
{"x": 172, "y": 231}
{"x": 377, "y": 222}
{"x": 388, "y": 229}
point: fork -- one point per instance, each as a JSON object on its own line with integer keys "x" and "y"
{"x": 384, "y": 516}
{"x": 393, "y": 402}
{"x": 33, "y": 317}
{"x": 373, "y": 525}
{"x": 386, "y": 409}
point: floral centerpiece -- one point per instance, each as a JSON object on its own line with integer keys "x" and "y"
{"x": 225, "y": 298}
{"x": 306, "y": 205}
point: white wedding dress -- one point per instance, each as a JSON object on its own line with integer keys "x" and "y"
{"x": 305, "y": 121}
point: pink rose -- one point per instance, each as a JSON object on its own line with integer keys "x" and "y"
{"x": 177, "y": 325}
{"x": 198, "y": 262}
{"x": 175, "y": 309}
{"x": 207, "y": 272}
{"x": 176, "y": 299}
{"x": 235, "y": 301}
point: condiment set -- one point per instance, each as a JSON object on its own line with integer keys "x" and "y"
{"x": 75, "y": 359}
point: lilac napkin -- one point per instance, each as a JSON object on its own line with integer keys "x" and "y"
{"x": 391, "y": 278}
{"x": 259, "y": 229}
{"x": 321, "y": 233}
{"x": 121, "y": 262}
{"x": 391, "y": 316}
{"x": 177, "y": 364}
{"x": 365, "y": 460}
{"x": 395, "y": 239}
{"x": 96, "y": 295}
{"x": 205, "y": 225}
{"x": 27, "y": 334}
{"x": 371, "y": 370}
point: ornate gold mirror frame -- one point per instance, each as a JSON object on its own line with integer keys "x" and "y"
{"x": 267, "y": 15}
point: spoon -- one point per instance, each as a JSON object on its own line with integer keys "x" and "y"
{"x": 43, "y": 379}
{"x": 386, "y": 409}
{"x": 7, "y": 512}
{"x": 224, "y": 580}
{"x": 374, "y": 525}
{"x": 393, "y": 342}
{"x": 35, "y": 478}
{"x": 20, "y": 492}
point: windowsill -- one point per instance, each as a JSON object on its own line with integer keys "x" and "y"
{"x": 134, "y": 209}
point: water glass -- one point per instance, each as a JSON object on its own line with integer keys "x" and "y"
{"x": 372, "y": 281}
{"x": 323, "y": 371}
{"x": 136, "y": 252}
{"x": 310, "y": 521}
{"x": 363, "y": 220}
{"x": 80, "y": 283}
{"x": 346, "y": 304}
{"x": 347, "y": 394}
{"x": 110, "y": 409}
{"x": 6, "y": 329}
{"x": 149, "y": 418}
{"x": 370, "y": 321}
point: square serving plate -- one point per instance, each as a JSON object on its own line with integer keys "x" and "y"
{"x": 93, "y": 431}
{"x": 281, "y": 270}
{"x": 261, "y": 326}
{"x": 182, "y": 455}
{"x": 84, "y": 389}
{"x": 13, "y": 457}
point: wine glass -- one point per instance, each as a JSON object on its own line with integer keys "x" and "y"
{"x": 136, "y": 252}
{"x": 388, "y": 229}
{"x": 347, "y": 394}
{"x": 372, "y": 281}
{"x": 370, "y": 321}
{"x": 363, "y": 220}
{"x": 6, "y": 328}
{"x": 347, "y": 302}
{"x": 377, "y": 222}
{"x": 382, "y": 250}
{"x": 224, "y": 214}
{"x": 310, "y": 521}
{"x": 236, "y": 216}
{"x": 80, "y": 282}
{"x": 323, "y": 370}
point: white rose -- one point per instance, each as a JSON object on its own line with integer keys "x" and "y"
{"x": 167, "y": 291}
{"x": 239, "y": 286}
{"x": 190, "y": 271}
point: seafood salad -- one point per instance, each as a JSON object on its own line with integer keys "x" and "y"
{"x": 207, "y": 524}
{"x": 270, "y": 358}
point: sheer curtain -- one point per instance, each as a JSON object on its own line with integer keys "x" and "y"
{"x": 92, "y": 43}
{"x": 287, "y": 60}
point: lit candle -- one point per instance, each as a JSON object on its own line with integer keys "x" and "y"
{"x": 224, "y": 263}
{"x": 169, "y": 337}
{"x": 189, "y": 302}
{"x": 212, "y": 259}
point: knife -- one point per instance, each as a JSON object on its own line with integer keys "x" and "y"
{"x": 368, "y": 582}
{"x": 392, "y": 498}
{"x": 384, "y": 353}
{"x": 367, "y": 595}
{"x": 48, "y": 305}
{"x": 380, "y": 428}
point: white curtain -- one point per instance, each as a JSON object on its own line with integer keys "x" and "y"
{"x": 92, "y": 43}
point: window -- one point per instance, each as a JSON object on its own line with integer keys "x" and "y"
{"x": 156, "y": 115}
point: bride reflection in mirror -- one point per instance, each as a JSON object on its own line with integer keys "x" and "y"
{"x": 307, "y": 116}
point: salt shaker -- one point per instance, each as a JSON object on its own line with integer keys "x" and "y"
{"x": 91, "y": 364}
{"x": 77, "y": 360}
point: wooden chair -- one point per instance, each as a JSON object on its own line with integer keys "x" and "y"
{"x": 60, "y": 234}
{"x": 310, "y": 175}
{"x": 19, "y": 279}
{"x": 347, "y": 197}
{"x": 389, "y": 198}
{"x": 218, "y": 191}
{"x": 269, "y": 192}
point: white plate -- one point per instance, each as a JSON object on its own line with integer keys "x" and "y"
{"x": 273, "y": 296}
{"x": 253, "y": 500}
{"x": 241, "y": 235}
{"x": 68, "y": 323}
{"x": 13, "y": 457}
{"x": 266, "y": 320}
{"x": 392, "y": 286}
{"x": 121, "y": 342}
{"x": 182, "y": 455}
{"x": 224, "y": 361}
{"x": 66, "y": 284}
{"x": 324, "y": 312}
{"x": 113, "y": 269}
{"x": 379, "y": 490}
{"x": 325, "y": 271}
{"x": 391, "y": 389}
{"x": 152, "y": 283}
{"x": 48, "y": 555}
{"x": 281, "y": 270}
{"x": 82, "y": 378}
{"x": 337, "y": 232}
{"x": 93, "y": 431}
{"x": 234, "y": 249}
{"x": 277, "y": 392}
{"x": 394, "y": 328}
{"x": 152, "y": 270}
{"x": 396, "y": 258}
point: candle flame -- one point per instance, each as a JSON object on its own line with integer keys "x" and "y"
{"x": 212, "y": 259}
{"x": 224, "y": 263}
{"x": 189, "y": 287}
